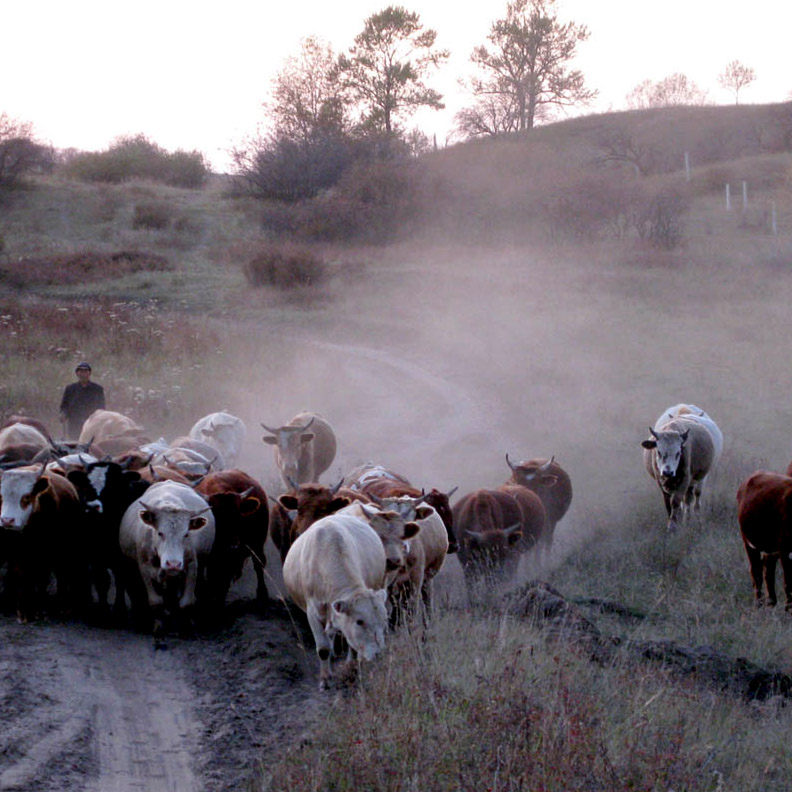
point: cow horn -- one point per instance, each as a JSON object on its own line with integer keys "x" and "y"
{"x": 375, "y": 498}
{"x": 303, "y": 428}
{"x": 546, "y": 465}
{"x": 199, "y": 513}
{"x": 334, "y": 490}
{"x": 421, "y": 498}
{"x": 654, "y": 434}
{"x": 42, "y": 471}
{"x": 247, "y": 492}
{"x": 292, "y": 483}
{"x": 271, "y": 431}
{"x": 195, "y": 483}
{"x": 509, "y": 462}
{"x": 452, "y": 491}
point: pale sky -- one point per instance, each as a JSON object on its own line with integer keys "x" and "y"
{"x": 194, "y": 76}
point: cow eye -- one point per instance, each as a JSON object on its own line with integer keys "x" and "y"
{"x": 24, "y": 501}
{"x": 161, "y": 535}
{"x": 361, "y": 623}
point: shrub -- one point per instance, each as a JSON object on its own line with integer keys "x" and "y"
{"x": 660, "y": 219}
{"x": 137, "y": 157}
{"x": 284, "y": 267}
{"x": 19, "y": 152}
{"x": 156, "y": 216}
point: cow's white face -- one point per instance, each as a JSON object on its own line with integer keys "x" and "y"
{"x": 171, "y": 529}
{"x": 395, "y": 534}
{"x": 669, "y": 448}
{"x": 18, "y": 498}
{"x": 363, "y": 620}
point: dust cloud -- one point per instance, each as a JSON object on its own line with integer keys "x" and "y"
{"x": 437, "y": 361}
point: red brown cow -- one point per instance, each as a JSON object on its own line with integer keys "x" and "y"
{"x": 489, "y": 526}
{"x": 304, "y": 448}
{"x": 239, "y": 506}
{"x": 553, "y": 486}
{"x": 301, "y": 508}
{"x": 42, "y": 534}
{"x": 764, "y": 511}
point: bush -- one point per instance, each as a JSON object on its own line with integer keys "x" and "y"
{"x": 660, "y": 219}
{"x": 284, "y": 267}
{"x": 19, "y": 152}
{"x": 137, "y": 157}
{"x": 156, "y": 216}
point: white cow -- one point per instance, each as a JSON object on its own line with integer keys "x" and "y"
{"x": 222, "y": 431}
{"x": 692, "y": 413}
{"x": 168, "y": 534}
{"x": 22, "y": 434}
{"x": 335, "y": 572}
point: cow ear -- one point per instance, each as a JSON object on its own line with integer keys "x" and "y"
{"x": 307, "y": 437}
{"x": 270, "y": 440}
{"x": 147, "y": 517}
{"x": 422, "y": 512}
{"x": 382, "y": 595}
{"x": 549, "y": 480}
{"x": 288, "y": 501}
{"x": 249, "y": 506}
{"x": 650, "y": 444}
{"x": 410, "y": 529}
{"x": 197, "y": 523}
{"x": 339, "y": 502}
{"x": 41, "y": 484}
{"x": 341, "y": 606}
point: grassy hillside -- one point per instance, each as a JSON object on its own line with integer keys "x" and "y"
{"x": 522, "y": 308}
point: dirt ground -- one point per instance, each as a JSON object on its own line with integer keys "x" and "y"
{"x": 435, "y": 370}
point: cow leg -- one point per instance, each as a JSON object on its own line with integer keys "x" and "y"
{"x": 262, "y": 595}
{"x": 769, "y": 563}
{"x": 676, "y": 512}
{"x": 786, "y": 568}
{"x": 323, "y": 645}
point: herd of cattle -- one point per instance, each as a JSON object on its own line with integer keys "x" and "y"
{"x": 171, "y": 525}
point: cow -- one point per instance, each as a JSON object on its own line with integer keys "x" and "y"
{"x": 105, "y": 490}
{"x": 395, "y": 533}
{"x": 239, "y": 506}
{"x": 304, "y": 448}
{"x": 190, "y": 445}
{"x": 166, "y": 537}
{"x": 22, "y": 434}
{"x": 42, "y": 535}
{"x": 224, "y": 432}
{"x": 764, "y": 512}
{"x": 425, "y": 557}
{"x": 692, "y": 413}
{"x": 113, "y": 432}
{"x": 534, "y": 516}
{"x": 335, "y": 573}
{"x": 552, "y": 484}
{"x": 489, "y": 528}
{"x": 24, "y": 419}
{"x": 303, "y": 507}
{"x": 679, "y": 456}
{"x": 369, "y": 473}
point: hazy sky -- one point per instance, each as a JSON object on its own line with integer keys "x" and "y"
{"x": 193, "y": 75}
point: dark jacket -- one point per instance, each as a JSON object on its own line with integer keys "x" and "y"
{"x": 78, "y": 402}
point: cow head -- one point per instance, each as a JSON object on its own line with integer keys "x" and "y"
{"x": 395, "y": 534}
{"x": 170, "y": 528}
{"x": 19, "y": 491}
{"x": 363, "y": 619}
{"x": 669, "y": 448}
{"x": 492, "y": 553}
{"x": 311, "y": 502}
{"x": 290, "y": 442}
{"x": 533, "y": 473}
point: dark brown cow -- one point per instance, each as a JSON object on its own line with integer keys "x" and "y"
{"x": 489, "y": 526}
{"x": 764, "y": 511}
{"x": 239, "y": 506}
{"x": 553, "y": 486}
{"x": 42, "y": 534}
{"x": 304, "y": 448}
{"x": 534, "y": 515}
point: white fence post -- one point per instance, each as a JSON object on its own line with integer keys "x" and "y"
{"x": 728, "y": 197}
{"x": 745, "y": 195}
{"x": 687, "y": 166}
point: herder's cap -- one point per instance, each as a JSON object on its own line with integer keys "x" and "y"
{"x": 83, "y": 365}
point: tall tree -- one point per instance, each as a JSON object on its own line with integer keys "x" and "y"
{"x": 386, "y": 68}
{"x": 735, "y": 77}
{"x": 527, "y": 67}
{"x": 307, "y": 97}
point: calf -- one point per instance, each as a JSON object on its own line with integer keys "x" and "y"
{"x": 166, "y": 537}
{"x": 335, "y": 573}
{"x": 239, "y": 506}
{"x": 764, "y": 511}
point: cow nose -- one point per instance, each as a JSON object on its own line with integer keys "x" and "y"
{"x": 391, "y": 565}
{"x": 7, "y": 522}
{"x": 173, "y": 566}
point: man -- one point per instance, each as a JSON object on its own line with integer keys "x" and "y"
{"x": 79, "y": 400}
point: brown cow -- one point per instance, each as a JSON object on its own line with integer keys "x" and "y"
{"x": 553, "y": 486}
{"x": 239, "y": 506}
{"x": 489, "y": 526}
{"x": 764, "y": 511}
{"x": 42, "y": 534}
{"x": 304, "y": 448}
